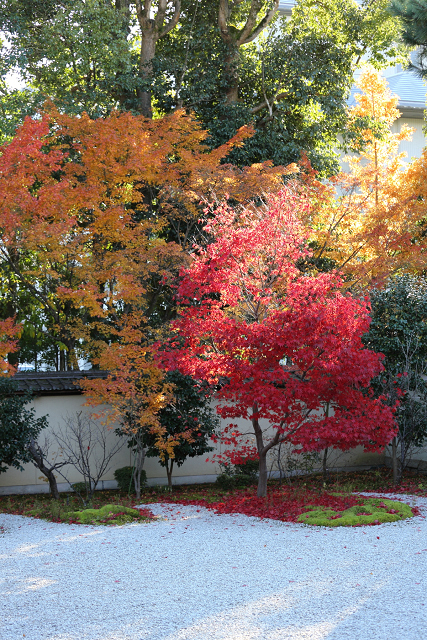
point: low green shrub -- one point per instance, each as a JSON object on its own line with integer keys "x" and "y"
{"x": 80, "y": 487}
{"x": 124, "y": 479}
{"x": 374, "y": 511}
{"x": 238, "y": 476}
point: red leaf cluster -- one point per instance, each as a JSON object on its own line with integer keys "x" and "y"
{"x": 284, "y": 347}
{"x": 283, "y": 504}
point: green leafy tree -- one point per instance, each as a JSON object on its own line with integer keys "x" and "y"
{"x": 18, "y": 426}
{"x": 292, "y": 83}
{"x": 191, "y": 412}
{"x": 91, "y": 55}
{"x": 231, "y": 62}
{"x": 399, "y": 330}
{"x": 413, "y": 16}
{"x": 76, "y": 53}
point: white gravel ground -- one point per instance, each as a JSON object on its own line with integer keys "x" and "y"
{"x": 201, "y": 576}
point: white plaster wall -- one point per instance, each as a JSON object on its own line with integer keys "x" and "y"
{"x": 197, "y": 469}
{"x": 413, "y": 148}
{"x": 416, "y": 461}
{"x": 59, "y": 407}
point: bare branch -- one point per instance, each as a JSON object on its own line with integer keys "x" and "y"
{"x": 84, "y": 442}
{"x": 265, "y": 103}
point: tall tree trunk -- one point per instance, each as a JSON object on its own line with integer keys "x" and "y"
{"x": 153, "y": 27}
{"x": 232, "y": 76}
{"x": 235, "y": 38}
{"x": 148, "y": 51}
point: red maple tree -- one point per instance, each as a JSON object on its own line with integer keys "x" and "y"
{"x": 285, "y": 348}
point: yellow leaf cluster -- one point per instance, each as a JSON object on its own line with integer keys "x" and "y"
{"x": 366, "y": 220}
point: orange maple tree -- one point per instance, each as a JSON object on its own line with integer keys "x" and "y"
{"x": 9, "y": 334}
{"x": 131, "y": 395}
{"x": 86, "y": 206}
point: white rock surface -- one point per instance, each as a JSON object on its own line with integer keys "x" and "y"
{"x": 201, "y": 576}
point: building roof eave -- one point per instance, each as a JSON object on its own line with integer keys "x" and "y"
{"x": 53, "y": 383}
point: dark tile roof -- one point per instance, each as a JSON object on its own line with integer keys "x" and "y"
{"x": 54, "y": 382}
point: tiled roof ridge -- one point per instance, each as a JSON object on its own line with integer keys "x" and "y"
{"x": 54, "y": 382}
{"x": 91, "y": 373}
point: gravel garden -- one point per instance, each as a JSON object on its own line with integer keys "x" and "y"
{"x": 200, "y": 563}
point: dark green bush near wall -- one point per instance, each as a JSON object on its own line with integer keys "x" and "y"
{"x": 124, "y": 478}
{"x": 80, "y": 487}
{"x": 238, "y": 475}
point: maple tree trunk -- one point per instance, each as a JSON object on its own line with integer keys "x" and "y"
{"x": 139, "y": 463}
{"x": 325, "y": 453}
{"x": 148, "y": 50}
{"x": 262, "y": 453}
{"x": 262, "y": 478}
{"x": 394, "y": 462}
{"x": 169, "y": 472}
{"x": 324, "y": 468}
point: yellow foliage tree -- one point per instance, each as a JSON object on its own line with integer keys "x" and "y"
{"x": 364, "y": 221}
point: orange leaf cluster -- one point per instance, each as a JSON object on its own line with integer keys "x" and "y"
{"x": 78, "y": 226}
{"x": 9, "y": 334}
{"x": 83, "y": 206}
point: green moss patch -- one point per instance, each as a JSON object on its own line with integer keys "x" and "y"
{"x": 373, "y": 511}
{"x": 108, "y": 514}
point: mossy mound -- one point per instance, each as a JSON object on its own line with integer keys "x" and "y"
{"x": 108, "y": 514}
{"x": 373, "y": 511}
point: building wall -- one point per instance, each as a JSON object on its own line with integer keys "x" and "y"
{"x": 413, "y": 148}
{"x": 59, "y": 408}
{"x": 197, "y": 469}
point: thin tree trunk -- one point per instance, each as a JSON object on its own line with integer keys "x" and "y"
{"x": 279, "y": 463}
{"x": 262, "y": 453}
{"x": 169, "y": 472}
{"x": 39, "y": 463}
{"x": 262, "y": 478}
{"x": 394, "y": 460}
{"x": 62, "y": 360}
{"x": 139, "y": 464}
{"x": 325, "y": 453}
{"x": 324, "y": 468}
